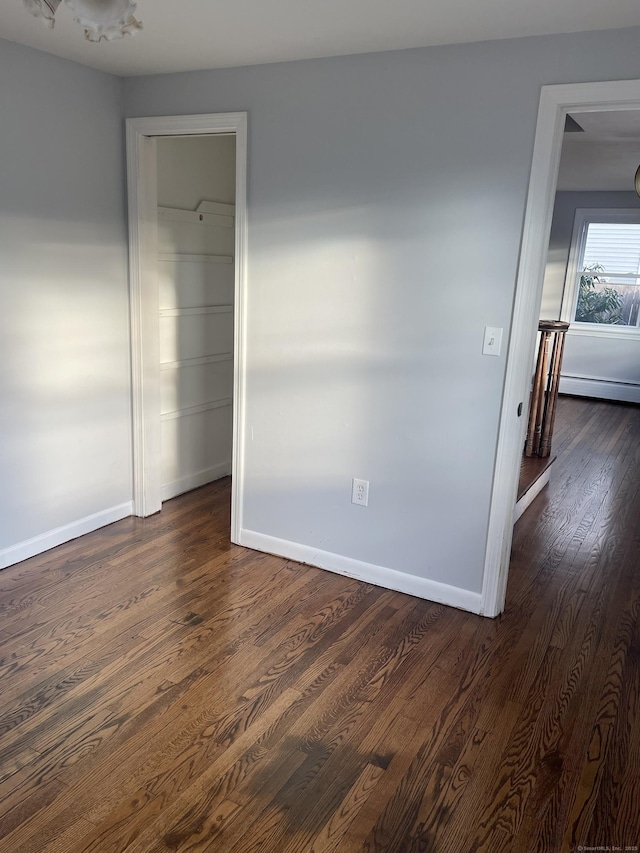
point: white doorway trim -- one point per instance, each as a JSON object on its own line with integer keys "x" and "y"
{"x": 143, "y": 296}
{"x": 555, "y": 103}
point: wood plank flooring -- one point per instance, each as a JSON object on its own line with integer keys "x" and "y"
{"x": 163, "y": 690}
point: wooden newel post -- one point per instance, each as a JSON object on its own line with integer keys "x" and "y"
{"x": 544, "y": 395}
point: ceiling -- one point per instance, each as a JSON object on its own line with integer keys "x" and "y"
{"x": 186, "y": 35}
{"x": 605, "y": 156}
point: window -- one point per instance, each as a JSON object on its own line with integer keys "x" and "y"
{"x": 602, "y": 289}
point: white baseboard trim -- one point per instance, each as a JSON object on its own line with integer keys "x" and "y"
{"x": 603, "y": 389}
{"x": 531, "y": 494}
{"x": 368, "y": 572}
{"x": 194, "y": 481}
{"x": 52, "y": 538}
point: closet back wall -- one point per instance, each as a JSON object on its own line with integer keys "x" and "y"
{"x": 196, "y": 195}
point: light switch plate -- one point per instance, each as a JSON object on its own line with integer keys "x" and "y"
{"x": 492, "y": 340}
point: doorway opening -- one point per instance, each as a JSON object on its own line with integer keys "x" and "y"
{"x": 592, "y": 275}
{"x": 196, "y": 237}
{"x": 187, "y": 223}
{"x": 556, "y": 102}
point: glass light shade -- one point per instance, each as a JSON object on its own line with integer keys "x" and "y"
{"x": 105, "y": 19}
{"x": 43, "y": 9}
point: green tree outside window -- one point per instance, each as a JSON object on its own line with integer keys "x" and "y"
{"x": 597, "y": 303}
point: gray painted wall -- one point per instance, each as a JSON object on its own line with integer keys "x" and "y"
{"x": 386, "y": 198}
{"x": 64, "y": 385}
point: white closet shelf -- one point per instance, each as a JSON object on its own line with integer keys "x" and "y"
{"x": 193, "y": 217}
{"x": 216, "y": 207}
{"x": 190, "y": 312}
{"x": 194, "y": 362}
{"x": 195, "y": 259}
{"x": 196, "y": 410}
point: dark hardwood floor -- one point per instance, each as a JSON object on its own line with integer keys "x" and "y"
{"x": 162, "y": 690}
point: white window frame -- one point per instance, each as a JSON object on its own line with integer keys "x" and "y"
{"x": 584, "y": 216}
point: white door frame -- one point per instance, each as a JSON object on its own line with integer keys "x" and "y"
{"x": 555, "y": 103}
{"x": 144, "y": 300}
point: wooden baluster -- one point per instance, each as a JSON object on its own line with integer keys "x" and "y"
{"x": 560, "y": 330}
{"x": 536, "y": 410}
{"x": 544, "y": 395}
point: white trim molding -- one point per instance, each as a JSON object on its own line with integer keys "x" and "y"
{"x": 60, "y": 535}
{"x": 555, "y": 103}
{"x": 600, "y": 389}
{"x": 601, "y": 330}
{"x": 431, "y": 590}
{"x": 143, "y": 259}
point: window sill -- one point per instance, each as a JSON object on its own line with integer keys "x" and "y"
{"x": 594, "y": 330}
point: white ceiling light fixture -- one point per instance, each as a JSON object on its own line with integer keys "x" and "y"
{"x": 101, "y": 19}
{"x": 43, "y": 9}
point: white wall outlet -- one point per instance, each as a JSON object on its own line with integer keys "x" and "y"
{"x": 360, "y": 492}
{"x": 492, "y": 341}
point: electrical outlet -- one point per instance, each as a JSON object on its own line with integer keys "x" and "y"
{"x": 492, "y": 341}
{"x": 360, "y": 492}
